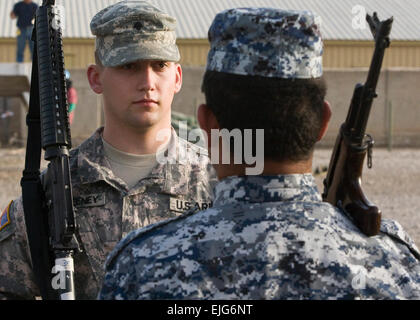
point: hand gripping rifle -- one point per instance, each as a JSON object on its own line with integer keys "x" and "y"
{"x": 342, "y": 185}
{"x": 49, "y": 212}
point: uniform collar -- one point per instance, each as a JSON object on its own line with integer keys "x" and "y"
{"x": 92, "y": 166}
{"x": 254, "y": 189}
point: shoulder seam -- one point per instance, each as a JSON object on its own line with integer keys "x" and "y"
{"x": 410, "y": 248}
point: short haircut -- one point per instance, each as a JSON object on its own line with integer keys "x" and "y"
{"x": 289, "y": 110}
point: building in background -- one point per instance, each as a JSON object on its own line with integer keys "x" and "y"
{"x": 348, "y": 49}
{"x": 347, "y": 38}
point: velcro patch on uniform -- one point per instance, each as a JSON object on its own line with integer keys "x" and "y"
{"x": 5, "y": 217}
{"x": 90, "y": 200}
{"x": 181, "y": 205}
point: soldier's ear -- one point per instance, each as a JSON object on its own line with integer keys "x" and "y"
{"x": 326, "y": 116}
{"x": 93, "y": 75}
{"x": 178, "y": 77}
{"x": 206, "y": 118}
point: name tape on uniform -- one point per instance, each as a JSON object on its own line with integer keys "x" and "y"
{"x": 181, "y": 205}
{"x": 90, "y": 200}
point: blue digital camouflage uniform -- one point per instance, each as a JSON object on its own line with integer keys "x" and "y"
{"x": 266, "y": 237}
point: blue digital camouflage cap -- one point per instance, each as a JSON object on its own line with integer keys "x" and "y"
{"x": 266, "y": 42}
{"x": 134, "y": 30}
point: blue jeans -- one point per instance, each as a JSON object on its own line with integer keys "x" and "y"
{"x": 25, "y": 35}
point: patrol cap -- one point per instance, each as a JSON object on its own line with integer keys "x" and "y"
{"x": 266, "y": 42}
{"x": 134, "y": 30}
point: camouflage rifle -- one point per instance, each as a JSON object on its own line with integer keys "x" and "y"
{"x": 342, "y": 184}
{"x": 48, "y": 206}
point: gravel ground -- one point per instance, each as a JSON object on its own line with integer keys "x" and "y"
{"x": 392, "y": 184}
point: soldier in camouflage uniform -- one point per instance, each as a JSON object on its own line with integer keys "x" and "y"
{"x": 267, "y": 236}
{"x": 123, "y": 177}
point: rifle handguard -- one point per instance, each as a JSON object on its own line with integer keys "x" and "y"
{"x": 55, "y": 129}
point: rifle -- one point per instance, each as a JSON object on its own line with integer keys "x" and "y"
{"x": 342, "y": 185}
{"x": 49, "y": 212}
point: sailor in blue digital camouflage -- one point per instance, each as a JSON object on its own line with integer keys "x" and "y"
{"x": 267, "y": 236}
{"x": 130, "y": 173}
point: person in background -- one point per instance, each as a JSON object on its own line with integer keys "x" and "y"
{"x": 71, "y": 96}
{"x": 24, "y": 11}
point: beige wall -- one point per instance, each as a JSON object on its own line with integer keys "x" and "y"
{"x": 356, "y": 54}
{"x": 395, "y": 112}
{"x": 398, "y": 87}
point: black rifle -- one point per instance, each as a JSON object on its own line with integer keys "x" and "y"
{"x": 49, "y": 212}
{"x": 342, "y": 185}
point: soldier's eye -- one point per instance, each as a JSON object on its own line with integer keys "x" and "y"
{"x": 162, "y": 64}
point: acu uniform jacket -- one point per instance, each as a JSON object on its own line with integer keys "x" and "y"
{"x": 106, "y": 211}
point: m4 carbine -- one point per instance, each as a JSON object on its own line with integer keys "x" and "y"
{"x": 342, "y": 185}
{"x": 48, "y": 206}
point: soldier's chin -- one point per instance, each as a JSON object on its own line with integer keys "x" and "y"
{"x": 143, "y": 122}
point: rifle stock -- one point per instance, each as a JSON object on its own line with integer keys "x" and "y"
{"x": 342, "y": 185}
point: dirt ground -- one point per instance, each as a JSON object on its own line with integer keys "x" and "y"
{"x": 392, "y": 184}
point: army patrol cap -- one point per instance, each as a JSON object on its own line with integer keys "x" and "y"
{"x": 266, "y": 42}
{"x": 134, "y": 30}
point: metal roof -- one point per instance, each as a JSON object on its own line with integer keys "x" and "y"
{"x": 195, "y": 16}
